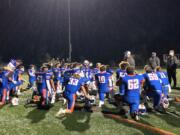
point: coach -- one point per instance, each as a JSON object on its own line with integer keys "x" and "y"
{"x": 171, "y": 63}
{"x": 154, "y": 61}
{"x": 129, "y": 58}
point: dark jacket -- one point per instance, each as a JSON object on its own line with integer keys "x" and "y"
{"x": 154, "y": 62}
{"x": 171, "y": 62}
{"x": 131, "y": 61}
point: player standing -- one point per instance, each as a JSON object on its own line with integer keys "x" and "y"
{"x": 103, "y": 81}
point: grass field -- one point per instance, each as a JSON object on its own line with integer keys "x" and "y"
{"x": 31, "y": 121}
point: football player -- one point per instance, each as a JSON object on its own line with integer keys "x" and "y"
{"x": 18, "y": 80}
{"x": 50, "y": 83}
{"x": 97, "y": 69}
{"x": 121, "y": 72}
{"x": 153, "y": 86}
{"x": 130, "y": 91}
{"x": 45, "y": 85}
{"x": 5, "y": 77}
{"x": 32, "y": 77}
{"x": 74, "y": 84}
{"x": 165, "y": 82}
{"x": 103, "y": 80}
{"x": 58, "y": 77}
{"x": 87, "y": 72}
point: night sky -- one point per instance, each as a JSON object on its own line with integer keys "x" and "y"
{"x": 101, "y": 29}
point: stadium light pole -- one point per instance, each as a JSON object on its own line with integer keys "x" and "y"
{"x": 69, "y": 30}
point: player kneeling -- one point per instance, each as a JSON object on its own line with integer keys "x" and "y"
{"x": 103, "y": 80}
{"x": 164, "y": 81}
{"x": 75, "y": 83}
{"x": 130, "y": 91}
{"x": 166, "y": 87}
{"x": 153, "y": 87}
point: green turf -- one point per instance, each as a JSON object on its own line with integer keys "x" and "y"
{"x": 30, "y": 121}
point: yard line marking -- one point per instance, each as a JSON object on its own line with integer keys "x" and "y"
{"x": 141, "y": 125}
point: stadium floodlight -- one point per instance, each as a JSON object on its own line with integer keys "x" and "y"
{"x": 69, "y": 30}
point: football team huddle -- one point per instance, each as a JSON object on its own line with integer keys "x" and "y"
{"x": 74, "y": 83}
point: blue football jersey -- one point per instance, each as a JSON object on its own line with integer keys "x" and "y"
{"x": 152, "y": 81}
{"x": 74, "y": 85}
{"x": 62, "y": 70}
{"x": 164, "y": 77}
{"x": 12, "y": 64}
{"x": 131, "y": 85}
{"x": 110, "y": 71}
{"x": 57, "y": 74}
{"x": 16, "y": 74}
{"x": 41, "y": 80}
{"x": 102, "y": 80}
{"x": 96, "y": 70}
{"x": 67, "y": 75}
{"x": 88, "y": 73}
{"x": 31, "y": 73}
{"x": 4, "y": 82}
{"x": 49, "y": 74}
{"x": 120, "y": 73}
{"x": 42, "y": 77}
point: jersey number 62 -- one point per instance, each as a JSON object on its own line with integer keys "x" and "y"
{"x": 133, "y": 84}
